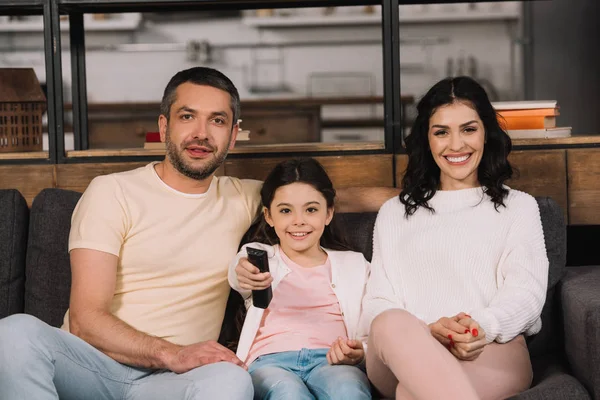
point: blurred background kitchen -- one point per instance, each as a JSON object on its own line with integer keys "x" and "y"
{"x": 316, "y": 74}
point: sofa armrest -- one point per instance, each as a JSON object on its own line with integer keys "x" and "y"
{"x": 580, "y": 298}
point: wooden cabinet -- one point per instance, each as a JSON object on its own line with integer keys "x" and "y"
{"x": 344, "y": 171}
{"x": 282, "y": 124}
{"x": 569, "y": 176}
{"x": 583, "y": 166}
{"x": 541, "y": 173}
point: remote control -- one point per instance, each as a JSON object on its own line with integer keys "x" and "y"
{"x": 258, "y": 258}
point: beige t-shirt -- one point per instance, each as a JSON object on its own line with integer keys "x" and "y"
{"x": 174, "y": 248}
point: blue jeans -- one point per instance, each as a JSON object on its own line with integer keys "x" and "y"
{"x": 306, "y": 374}
{"x": 40, "y": 362}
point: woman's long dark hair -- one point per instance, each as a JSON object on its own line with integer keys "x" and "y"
{"x": 302, "y": 170}
{"x": 422, "y": 177}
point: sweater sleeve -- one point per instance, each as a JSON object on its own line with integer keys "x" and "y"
{"x": 381, "y": 294}
{"x": 517, "y": 305}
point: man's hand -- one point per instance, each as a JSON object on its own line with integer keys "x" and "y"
{"x": 462, "y": 335}
{"x": 346, "y": 352}
{"x": 199, "y": 354}
{"x": 250, "y": 277}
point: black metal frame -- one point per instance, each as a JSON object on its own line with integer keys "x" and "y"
{"x": 75, "y": 9}
{"x": 51, "y": 10}
{"x": 79, "y": 92}
{"x": 33, "y": 7}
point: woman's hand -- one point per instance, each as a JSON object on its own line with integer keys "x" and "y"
{"x": 470, "y": 350}
{"x": 250, "y": 277}
{"x": 345, "y": 352}
{"x": 462, "y": 335}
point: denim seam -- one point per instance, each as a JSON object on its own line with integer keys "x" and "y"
{"x": 92, "y": 370}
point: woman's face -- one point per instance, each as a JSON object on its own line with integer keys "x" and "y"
{"x": 456, "y": 140}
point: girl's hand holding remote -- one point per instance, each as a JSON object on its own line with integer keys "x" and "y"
{"x": 249, "y": 276}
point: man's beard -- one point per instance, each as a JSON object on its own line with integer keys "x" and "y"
{"x": 200, "y": 172}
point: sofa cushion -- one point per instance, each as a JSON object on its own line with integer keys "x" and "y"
{"x": 580, "y": 300}
{"x": 553, "y": 382}
{"x": 48, "y": 269}
{"x": 357, "y": 230}
{"x": 14, "y": 219}
{"x": 549, "y": 339}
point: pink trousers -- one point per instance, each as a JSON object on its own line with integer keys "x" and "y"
{"x": 406, "y": 362}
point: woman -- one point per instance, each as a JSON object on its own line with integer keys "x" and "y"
{"x": 459, "y": 270}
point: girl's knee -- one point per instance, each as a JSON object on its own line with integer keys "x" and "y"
{"x": 341, "y": 382}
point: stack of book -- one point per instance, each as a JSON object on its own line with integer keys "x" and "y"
{"x": 153, "y": 139}
{"x": 530, "y": 119}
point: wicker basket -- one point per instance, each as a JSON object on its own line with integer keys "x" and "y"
{"x": 22, "y": 105}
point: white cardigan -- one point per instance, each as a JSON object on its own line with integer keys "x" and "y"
{"x": 349, "y": 273}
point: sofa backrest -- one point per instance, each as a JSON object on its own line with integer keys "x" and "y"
{"x": 48, "y": 269}
{"x": 14, "y": 217}
{"x": 549, "y": 340}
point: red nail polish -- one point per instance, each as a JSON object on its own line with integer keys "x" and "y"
{"x": 475, "y": 332}
{"x": 467, "y": 331}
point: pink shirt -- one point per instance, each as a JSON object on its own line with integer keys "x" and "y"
{"x": 304, "y": 313}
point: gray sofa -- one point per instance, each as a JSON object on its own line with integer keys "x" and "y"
{"x": 35, "y": 279}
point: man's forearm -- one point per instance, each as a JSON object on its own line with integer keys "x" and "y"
{"x": 363, "y": 199}
{"x": 122, "y": 342}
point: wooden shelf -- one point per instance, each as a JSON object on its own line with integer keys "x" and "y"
{"x": 566, "y": 141}
{"x": 459, "y": 16}
{"x": 312, "y": 21}
{"x": 126, "y": 22}
{"x": 375, "y": 19}
{"x": 245, "y": 149}
{"x": 266, "y": 102}
{"x": 26, "y": 155}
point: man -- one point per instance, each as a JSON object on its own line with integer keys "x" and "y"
{"x": 149, "y": 253}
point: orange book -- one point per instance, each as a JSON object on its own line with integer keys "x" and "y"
{"x": 540, "y": 112}
{"x": 527, "y": 122}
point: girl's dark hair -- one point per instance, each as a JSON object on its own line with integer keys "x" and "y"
{"x": 302, "y": 170}
{"x": 422, "y": 177}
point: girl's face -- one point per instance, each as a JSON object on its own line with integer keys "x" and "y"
{"x": 456, "y": 139}
{"x": 299, "y": 214}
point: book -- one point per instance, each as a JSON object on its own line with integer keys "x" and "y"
{"x": 152, "y": 136}
{"x": 154, "y": 146}
{"x": 536, "y": 112}
{"x": 540, "y": 133}
{"x": 524, "y": 105}
{"x": 528, "y": 122}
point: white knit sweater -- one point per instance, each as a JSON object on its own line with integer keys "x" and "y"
{"x": 464, "y": 257}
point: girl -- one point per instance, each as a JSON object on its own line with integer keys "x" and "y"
{"x": 459, "y": 269}
{"x": 304, "y": 345}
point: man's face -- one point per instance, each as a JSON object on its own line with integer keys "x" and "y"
{"x": 200, "y": 130}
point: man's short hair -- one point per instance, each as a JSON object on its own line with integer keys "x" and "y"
{"x": 200, "y": 76}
